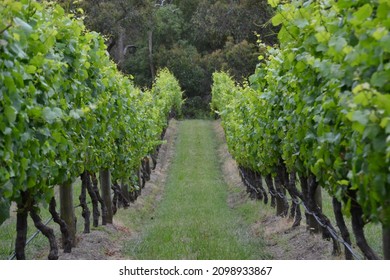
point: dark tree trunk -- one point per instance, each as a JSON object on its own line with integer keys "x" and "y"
{"x": 342, "y": 226}
{"x": 141, "y": 180}
{"x": 48, "y": 232}
{"x": 114, "y": 199}
{"x": 246, "y": 178}
{"x": 314, "y": 200}
{"x": 315, "y": 211}
{"x": 289, "y": 183}
{"x": 125, "y": 193}
{"x": 67, "y": 211}
{"x": 120, "y": 49}
{"x": 94, "y": 199}
{"x": 83, "y": 202}
{"x": 305, "y": 187}
{"x": 315, "y": 204}
{"x": 67, "y": 244}
{"x": 270, "y": 184}
{"x": 146, "y": 171}
{"x": 21, "y": 227}
{"x": 154, "y": 159}
{"x": 151, "y": 64}
{"x": 255, "y": 184}
{"x": 105, "y": 185}
{"x": 309, "y": 189}
{"x": 100, "y": 199}
{"x": 358, "y": 228}
{"x": 259, "y": 186}
{"x": 386, "y": 242}
{"x": 281, "y": 200}
{"x": 295, "y": 208}
{"x": 119, "y": 197}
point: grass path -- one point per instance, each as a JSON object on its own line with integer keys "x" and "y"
{"x": 193, "y": 220}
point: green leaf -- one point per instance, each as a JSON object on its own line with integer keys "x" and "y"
{"x": 301, "y": 22}
{"x": 31, "y": 69}
{"x": 10, "y": 112}
{"x": 338, "y": 43}
{"x": 380, "y": 79}
{"x": 273, "y": 3}
{"x": 345, "y": 3}
{"x": 10, "y": 84}
{"x": 7, "y": 131}
{"x": 384, "y": 122}
{"x": 5, "y": 206}
{"x": 24, "y": 25}
{"x": 300, "y": 66}
{"x": 277, "y": 19}
{"x": 51, "y": 115}
{"x": 360, "y": 117}
{"x": 57, "y": 136}
{"x": 343, "y": 182}
{"x": 362, "y": 14}
{"x": 75, "y": 114}
{"x": 322, "y": 36}
{"x": 379, "y": 33}
{"x": 6, "y": 189}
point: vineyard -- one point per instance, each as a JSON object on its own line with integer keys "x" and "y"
{"x": 67, "y": 112}
{"x": 311, "y": 124}
{"x": 315, "y": 116}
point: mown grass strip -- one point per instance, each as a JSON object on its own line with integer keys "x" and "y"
{"x": 194, "y": 220}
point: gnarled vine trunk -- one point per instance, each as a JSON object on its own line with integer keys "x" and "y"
{"x": 94, "y": 199}
{"x": 46, "y": 231}
{"x": 342, "y": 226}
{"x": 358, "y": 228}
{"x": 66, "y": 241}
{"x": 83, "y": 202}
{"x": 99, "y": 197}
{"x": 271, "y": 189}
{"x": 21, "y": 227}
{"x": 105, "y": 185}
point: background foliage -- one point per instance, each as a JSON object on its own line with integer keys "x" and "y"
{"x": 193, "y": 38}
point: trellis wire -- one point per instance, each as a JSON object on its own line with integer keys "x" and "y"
{"x": 301, "y": 202}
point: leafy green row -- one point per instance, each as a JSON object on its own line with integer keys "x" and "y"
{"x": 65, "y": 108}
{"x": 320, "y": 103}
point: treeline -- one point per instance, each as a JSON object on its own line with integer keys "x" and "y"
{"x": 193, "y": 38}
{"x": 65, "y": 112}
{"x": 317, "y": 115}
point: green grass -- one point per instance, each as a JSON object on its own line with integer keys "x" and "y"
{"x": 193, "y": 220}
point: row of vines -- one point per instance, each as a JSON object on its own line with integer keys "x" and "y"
{"x": 65, "y": 112}
{"x": 316, "y": 115}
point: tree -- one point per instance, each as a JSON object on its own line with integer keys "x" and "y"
{"x": 192, "y": 37}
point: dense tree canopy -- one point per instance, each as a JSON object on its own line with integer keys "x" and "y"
{"x": 193, "y": 38}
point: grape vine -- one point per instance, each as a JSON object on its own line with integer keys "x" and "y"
{"x": 65, "y": 109}
{"x": 318, "y": 106}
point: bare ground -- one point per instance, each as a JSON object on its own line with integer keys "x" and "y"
{"x": 282, "y": 242}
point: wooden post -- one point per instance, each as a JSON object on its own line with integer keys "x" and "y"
{"x": 67, "y": 211}
{"x": 105, "y": 185}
